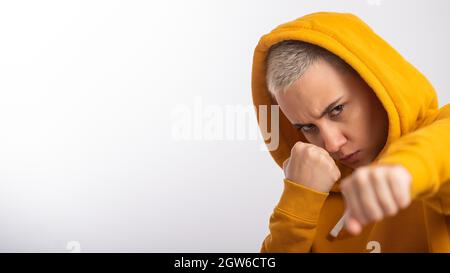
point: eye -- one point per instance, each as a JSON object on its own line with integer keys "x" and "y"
{"x": 337, "y": 110}
{"x": 307, "y": 128}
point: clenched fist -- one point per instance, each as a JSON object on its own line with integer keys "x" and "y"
{"x": 374, "y": 192}
{"x": 311, "y": 166}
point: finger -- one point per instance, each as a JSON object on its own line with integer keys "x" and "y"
{"x": 383, "y": 193}
{"x": 352, "y": 200}
{"x": 399, "y": 183}
{"x": 353, "y": 226}
{"x": 367, "y": 198}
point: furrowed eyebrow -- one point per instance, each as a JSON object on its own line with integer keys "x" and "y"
{"x": 324, "y": 112}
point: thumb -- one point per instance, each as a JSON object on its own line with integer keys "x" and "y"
{"x": 352, "y": 225}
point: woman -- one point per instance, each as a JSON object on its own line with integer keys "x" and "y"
{"x": 362, "y": 141}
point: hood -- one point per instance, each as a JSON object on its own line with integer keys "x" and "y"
{"x": 405, "y": 93}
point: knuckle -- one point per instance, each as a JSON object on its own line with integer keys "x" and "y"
{"x": 392, "y": 211}
{"x": 377, "y": 216}
{"x": 310, "y": 151}
{"x": 297, "y": 147}
{"x": 404, "y": 202}
{"x": 402, "y": 171}
{"x": 387, "y": 206}
{"x": 360, "y": 182}
{"x": 360, "y": 173}
{"x": 373, "y": 213}
{"x": 401, "y": 195}
{"x": 376, "y": 174}
{"x": 357, "y": 172}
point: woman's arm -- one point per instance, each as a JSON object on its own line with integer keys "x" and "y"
{"x": 294, "y": 220}
{"x": 425, "y": 153}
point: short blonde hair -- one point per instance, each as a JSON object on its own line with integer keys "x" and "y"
{"x": 288, "y": 60}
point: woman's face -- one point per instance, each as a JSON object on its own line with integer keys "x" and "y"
{"x": 337, "y": 111}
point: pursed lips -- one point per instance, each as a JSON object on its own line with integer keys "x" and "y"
{"x": 348, "y": 156}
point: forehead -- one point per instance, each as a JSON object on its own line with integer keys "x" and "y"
{"x": 308, "y": 96}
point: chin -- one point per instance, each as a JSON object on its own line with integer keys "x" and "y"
{"x": 362, "y": 163}
{"x": 352, "y": 166}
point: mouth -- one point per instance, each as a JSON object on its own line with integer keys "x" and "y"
{"x": 351, "y": 158}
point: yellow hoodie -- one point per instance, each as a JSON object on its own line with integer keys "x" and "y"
{"x": 418, "y": 139}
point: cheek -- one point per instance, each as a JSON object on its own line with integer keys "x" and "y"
{"x": 359, "y": 129}
{"x": 312, "y": 140}
{"x": 315, "y": 139}
{"x": 371, "y": 129}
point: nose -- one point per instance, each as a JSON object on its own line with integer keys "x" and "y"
{"x": 333, "y": 139}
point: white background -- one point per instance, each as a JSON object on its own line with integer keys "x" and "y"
{"x": 86, "y": 92}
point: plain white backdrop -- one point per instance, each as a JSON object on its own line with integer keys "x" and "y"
{"x": 87, "y": 88}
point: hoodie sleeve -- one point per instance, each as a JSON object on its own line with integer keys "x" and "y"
{"x": 294, "y": 220}
{"x": 425, "y": 153}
